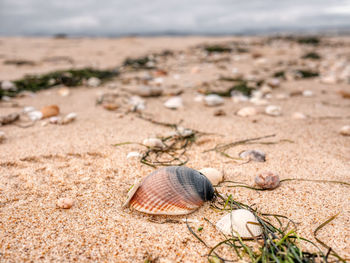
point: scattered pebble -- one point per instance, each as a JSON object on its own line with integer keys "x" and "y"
{"x": 267, "y": 180}
{"x": 8, "y": 85}
{"x": 199, "y": 98}
{"x": 64, "y": 92}
{"x": 329, "y": 79}
{"x": 247, "y": 111}
{"x": 93, "y": 82}
{"x": 184, "y": 132}
{"x": 49, "y": 111}
{"x": 299, "y": 116}
{"x": 35, "y": 115}
{"x": 274, "y": 82}
{"x": 219, "y": 112}
{"x": 147, "y": 91}
{"x": 273, "y": 110}
{"x": 2, "y": 136}
{"x": 213, "y": 100}
{"x": 258, "y": 101}
{"x": 265, "y": 89}
{"x": 254, "y": 155}
{"x": 214, "y": 175}
{"x": 138, "y": 104}
{"x": 345, "y": 130}
{"x": 282, "y": 96}
{"x": 153, "y": 143}
{"x": 111, "y": 106}
{"x": 65, "y": 203}
{"x": 70, "y": 117}
{"x": 133, "y": 155}
{"x": 308, "y": 93}
{"x": 174, "y": 103}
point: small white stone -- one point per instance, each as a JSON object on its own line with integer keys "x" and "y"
{"x": 299, "y": 116}
{"x": 265, "y": 89}
{"x": 137, "y": 103}
{"x": 273, "y": 110}
{"x": 345, "y": 130}
{"x": 28, "y": 109}
{"x": 153, "y": 143}
{"x": 282, "y": 96}
{"x": 93, "y": 82}
{"x": 308, "y": 93}
{"x": 133, "y": 155}
{"x": 274, "y": 82}
{"x": 329, "y": 79}
{"x": 64, "y": 92}
{"x": 68, "y": 118}
{"x": 213, "y": 100}
{"x": 54, "y": 119}
{"x": 258, "y": 101}
{"x": 8, "y": 85}
{"x": 247, "y": 111}
{"x": 214, "y": 175}
{"x": 199, "y": 98}
{"x": 174, "y": 103}
{"x": 35, "y": 115}
{"x": 184, "y": 132}
{"x": 2, "y": 136}
{"x": 240, "y": 222}
{"x": 238, "y": 97}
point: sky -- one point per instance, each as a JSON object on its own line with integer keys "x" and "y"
{"x": 142, "y": 17}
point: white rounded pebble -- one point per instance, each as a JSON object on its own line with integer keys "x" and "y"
{"x": 8, "y": 85}
{"x": 299, "y": 116}
{"x": 138, "y": 104}
{"x": 199, "y": 98}
{"x": 345, "y": 130}
{"x": 273, "y": 110}
{"x": 258, "y": 101}
{"x": 68, "y": 118}
{"x": 174, "y": 103}
{"x": 28, "y": 109}
{"x": 213, "y": 100}
{"x": 65, "y": 203}
{"x": 247, "y": 111}
{"x": 240, "y": 222}
{"x": 308, "y": 93}
{"x": 153, "y": 143}
{"x": 214, "y": 175}
{"x": 282, "y": 96}
{"x": 133, "y": 155}
{"x": 93, "y": 82}
{"x": 35, "y": 115}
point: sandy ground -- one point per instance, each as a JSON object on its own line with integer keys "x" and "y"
{"x": 40, "y": 164}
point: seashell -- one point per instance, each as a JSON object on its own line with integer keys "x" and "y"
{"x": 2, "y": 136}
{"x": 65, "y": 203}
{"x": 345, "y": 130}
{"x": 64, "y": 92}
{"x": 199, "y": 98}
{"x": 93, "y": 82}
{"x": 174, "y": 190}
{"x": 299, "y": 116}
{"x": 68, "y": 118}
{"x": 247, "y": 111}
{"x": 267, "y": 180}
{"x": 153, "y": 143}
{"x": 214, "y": 175}
{"x": 255, "y": 155}
{"x": 35, "y": 115}
{"x": 273, "y": 110}
{"x": 173, "y": 103}
{"x": 8, "y": 85}
{"x": 213, "y": 100}
{"x": 308, "y": 93}
{"x": 50, "y": 111}
{"x": 133, "y": 155}
{"x": 240, "y": 222}
{"x": 28, "y": 109}
{"x": 138, "y": 104}
{"x": 184, "y": 132}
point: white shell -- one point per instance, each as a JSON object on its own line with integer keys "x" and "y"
{"x": 28, "y": 109}
{"x": 153, "y": 143}
{"x": 238, "y": 222}
{"x": 133, "y": 155}
{"x": 35, "y": 115}
{"x": 214, "y": 175}
{"x": 299, "y": 116}
{"x": 213, "y": 100}
{"x": 138, "y": 103}
{"x": 273, "y": 110}
{"x": 68, "y": 118}
{"x": 8, "y": 85}
{"x": 308, "y": 93}
{"x": 174, "y": 103}
{"x": 2, "y": 136}
{"x": 255, "y": 155}
{"x": 345, "y": 130}
{"x": 93, "y": 82}
{"x": 247, "y": 111}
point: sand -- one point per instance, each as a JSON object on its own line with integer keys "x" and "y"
{"x": 40, "y": 164}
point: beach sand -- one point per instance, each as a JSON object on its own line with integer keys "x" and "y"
{"x": 42, "y": 163}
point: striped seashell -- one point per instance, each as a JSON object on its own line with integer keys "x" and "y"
{"x": 174, "y": 190}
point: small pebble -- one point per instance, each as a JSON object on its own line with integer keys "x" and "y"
{"x": 70, "y": 117}
{"x": 308, "y": 93}
{"x": 254, "y": 155}
{"x": 65, "y": 203}
{"x": 111, "y": 106}
{"x": 8, "y": 85}
{"x": 35, "y": 115}
{"x": 219, "y": 112}
{"x": 2, "y": 136}
{"x": 153, "y": 143}
{"x": 213, "y": 100}
{"x": 49, "y": 111}
{"x": 299, "y": 116}
{"x": 138, "y": 104}
{"x": 174, "y": 103}
{"x": 274, "y": 82}
{"x": 247, "y": 111}
{"x": 282, "y": 96}
{"x": 147, "y": 91}
{"x": 345, "y": 130}
{"x": 93, "y": 82}
{"x": 273, "y": 110}
{"x": 184, "y": 132}
{"x": 64, "y": 92}
{"x": 267, "y": 180}
{"x": 133, "y": 155}
{"x": 258, "y": 101}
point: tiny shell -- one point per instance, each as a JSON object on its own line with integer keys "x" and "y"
{"x": 50, "y": 111}
{"x": 153, "y": 143}
{"x": 184, "y": 132}
{"x": 308, "y": 93}
{"x": 35, "y": 115}
{"x": 240, "y": 222}
{"x": 65, "y": 203}
{"x": 214, "y": 175}
{"x": 213, "y": 100}
{"x": 173, "y": 103}
{"x": 273, "y": 110}
{"x": 299, "y": 116}
{"x": 133, "y": 155}
{"x": 93, "y": 82}
{"x": 247, "y": 111}
{"x": 267, "y": 180}
{"x": 345, "y": 130}
{"x": 174, "y": 190}
{"x": 64, "y": 92}
{"x": 255, "y": 155}
{"x": 68, "y": 118}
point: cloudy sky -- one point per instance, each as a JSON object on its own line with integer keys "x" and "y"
{"x": 123, "y": 17}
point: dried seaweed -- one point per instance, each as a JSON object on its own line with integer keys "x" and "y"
{"x": 305, "y": 74}
{"x": 311, "y": 55}
{"x": 145, "y": 62}
{"x": 241, "y": 87}
{"x": 279, "y": 243}
{"x": 19, "y": 62}
{"x": 217, "y": 48}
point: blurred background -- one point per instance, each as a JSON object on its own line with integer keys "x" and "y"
{"x": 181, "y": 17}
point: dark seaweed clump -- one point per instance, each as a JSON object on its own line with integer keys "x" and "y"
{"x": 140, "y": 63}
{"x": 241, "y": 86}
{"x": 70, "y": 78}
{"x": 217, "y": 49}
{"x": 309, "y": 40}
{"x": 311, "y": 55}
{"x": 305, "y": 74}
{"x": 280, "y": 74}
